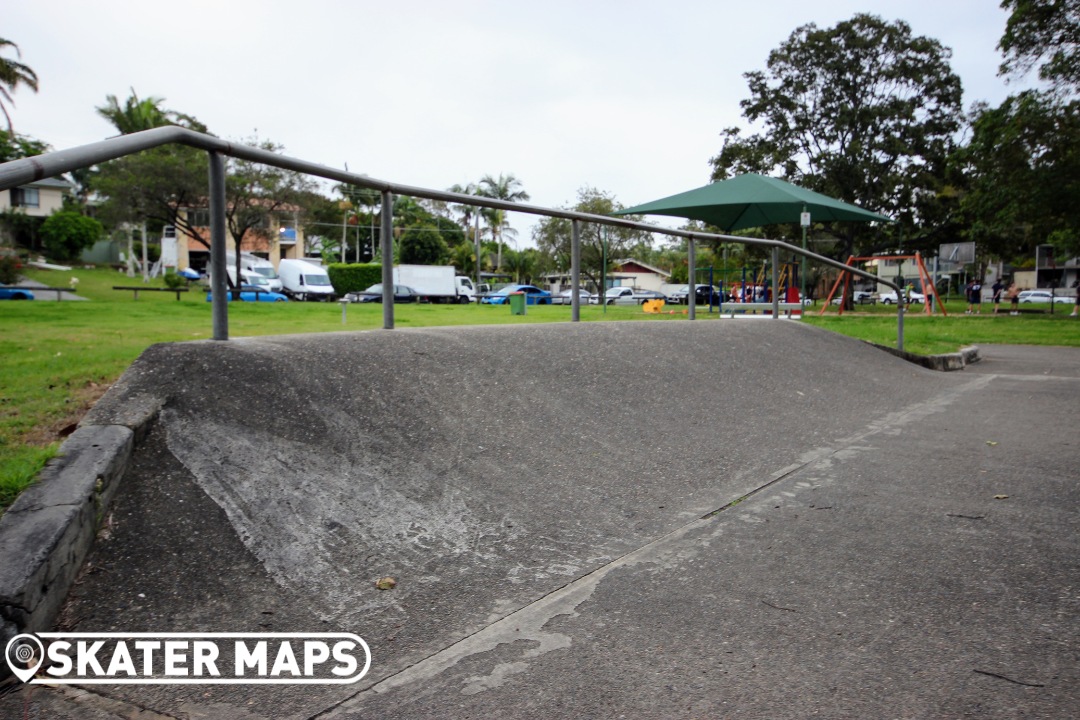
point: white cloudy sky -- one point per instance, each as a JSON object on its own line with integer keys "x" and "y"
{"x": 626, "y": 96}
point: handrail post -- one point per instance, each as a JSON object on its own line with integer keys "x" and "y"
{"x": 220, "y": 304}
{"x": 775, "y": 283}
{"x": 691, "y": 269}
{"x": 575, "y": 271}
{"x": 900, "y": 326}
{"x": 386, "y": 244}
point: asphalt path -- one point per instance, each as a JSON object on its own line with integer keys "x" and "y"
{"x": 659, "y": 519}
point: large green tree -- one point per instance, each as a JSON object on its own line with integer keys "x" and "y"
{"x": 1043, "y": 33}
{"x": 423, "y": 245}
{"x": 864, "y": 111}
{"x": 13, "y": 74}
{"x": 1023, "y": 164}
{"x": 256, "y": 194}
{"x": 1023, "y": 160}
{"x": 553, "y": 236}
{"x": 157, "y": 185}
{"x": 14, "y": 146}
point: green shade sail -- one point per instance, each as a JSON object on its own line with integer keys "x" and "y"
{"x": 750, "y": 201}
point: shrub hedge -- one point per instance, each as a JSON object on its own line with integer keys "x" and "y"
{"x": 353, "y": 277}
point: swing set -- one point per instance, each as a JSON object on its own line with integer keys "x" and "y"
{"x": 924, "y": 278}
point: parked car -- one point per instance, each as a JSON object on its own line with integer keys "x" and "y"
{"x": 563, "y": 298}
{"x": 862, "y": 297}
{"x": 889, "y": 298}
{"x": 630, "y": 296}
{"x": 1044, "y": 296}
{"x": 402, "y": 294}
{"x": 533, "y": 295}
{"x": 254, "y": 293}
{"x": 702, "y": 293}
{"x": 10, "y": 293}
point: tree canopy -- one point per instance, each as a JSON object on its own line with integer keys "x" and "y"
{"x": 553, "y": 236}
{"x": 864, "y": 111}
{"x": 1044, "y": 33}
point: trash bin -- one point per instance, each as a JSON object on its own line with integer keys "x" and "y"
{"x": 517, "y": 303}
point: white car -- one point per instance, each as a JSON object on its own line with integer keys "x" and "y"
{"x": 564, "y": 298}
{"x": 889, "y": 298}
{"x": 1045, "y": 296}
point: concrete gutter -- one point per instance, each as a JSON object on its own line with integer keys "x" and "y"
{"x": 944, "y": 363}
{"x": 47, "y": 533}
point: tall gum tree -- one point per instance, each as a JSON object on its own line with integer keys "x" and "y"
{"x": 864, "y": 111}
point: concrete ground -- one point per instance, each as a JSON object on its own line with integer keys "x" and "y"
{"x": 646, "y": 520}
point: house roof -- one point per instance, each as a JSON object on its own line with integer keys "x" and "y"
{"x": 59, "y": 183}
{"x": 644, "y": 266}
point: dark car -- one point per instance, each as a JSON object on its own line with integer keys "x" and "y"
{"x": 707, "y": 295}
{"x": 402, "y": 294}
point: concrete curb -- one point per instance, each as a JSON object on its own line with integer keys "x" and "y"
{"x": 47, "y": 533}
{"x": 944, "y": 363}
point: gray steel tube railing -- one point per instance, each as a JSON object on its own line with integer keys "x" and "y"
{"x": 26, "y": 170}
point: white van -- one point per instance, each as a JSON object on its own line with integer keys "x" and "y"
{"x": 303, "y": 280}
{"x": 255, "y": 265}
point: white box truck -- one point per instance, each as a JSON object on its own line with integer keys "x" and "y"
{"x": 303, "y": 280}
{"x": 437, "y": 283}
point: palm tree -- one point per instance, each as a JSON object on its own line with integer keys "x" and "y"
{"x": 505, "y": 187}
{"x": 465, "y": 212}
{"x": 136, "y": 115}
{"x": 13, "y": 74}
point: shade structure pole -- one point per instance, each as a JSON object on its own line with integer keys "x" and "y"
{"x": 220, "y": 299}
{"x": 775, "y": 282}
{"x": 804, "y": 220}
{"x": 691, "y": 270}
{"x": 575, "y": 271}
{"x": 386, "y": 243}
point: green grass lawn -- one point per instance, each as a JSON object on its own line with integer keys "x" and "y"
{"x": 56, "y": 358}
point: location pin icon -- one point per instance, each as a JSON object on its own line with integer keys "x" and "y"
{"x": 24, "y": 654}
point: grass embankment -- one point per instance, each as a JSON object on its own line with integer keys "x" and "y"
{"x": 56, "y": 358}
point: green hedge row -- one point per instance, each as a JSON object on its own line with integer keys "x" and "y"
{"x": 353, "y": 277}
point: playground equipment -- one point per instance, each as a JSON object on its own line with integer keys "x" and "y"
{"x": 761, "y": 289}
{"x": 924, "y": 278}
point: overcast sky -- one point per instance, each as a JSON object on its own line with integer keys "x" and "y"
{"x": 629, "y": 97}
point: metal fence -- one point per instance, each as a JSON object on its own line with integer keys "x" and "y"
{"x": 26, "y": 170}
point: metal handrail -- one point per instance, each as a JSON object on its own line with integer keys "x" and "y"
{"x": 27, "y": 170}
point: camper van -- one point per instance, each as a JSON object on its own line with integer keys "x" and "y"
{"x": 303, "y": 280}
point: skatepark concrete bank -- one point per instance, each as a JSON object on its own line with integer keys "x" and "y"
{"x": 660, "y": 519}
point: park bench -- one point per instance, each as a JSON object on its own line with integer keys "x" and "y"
{"x": 137, "y": 290}
{"x": 732, "y": 308}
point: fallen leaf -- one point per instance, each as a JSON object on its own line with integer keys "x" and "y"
{"x": 1001, "y": 497}
{"x": 991, "y": 442}
{"x": 386, "y": 583}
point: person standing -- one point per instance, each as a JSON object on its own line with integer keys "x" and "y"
{"x": 1014, "y": 299}
{"x": 974, "y": 297}
{"x": 997, "y": 289}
